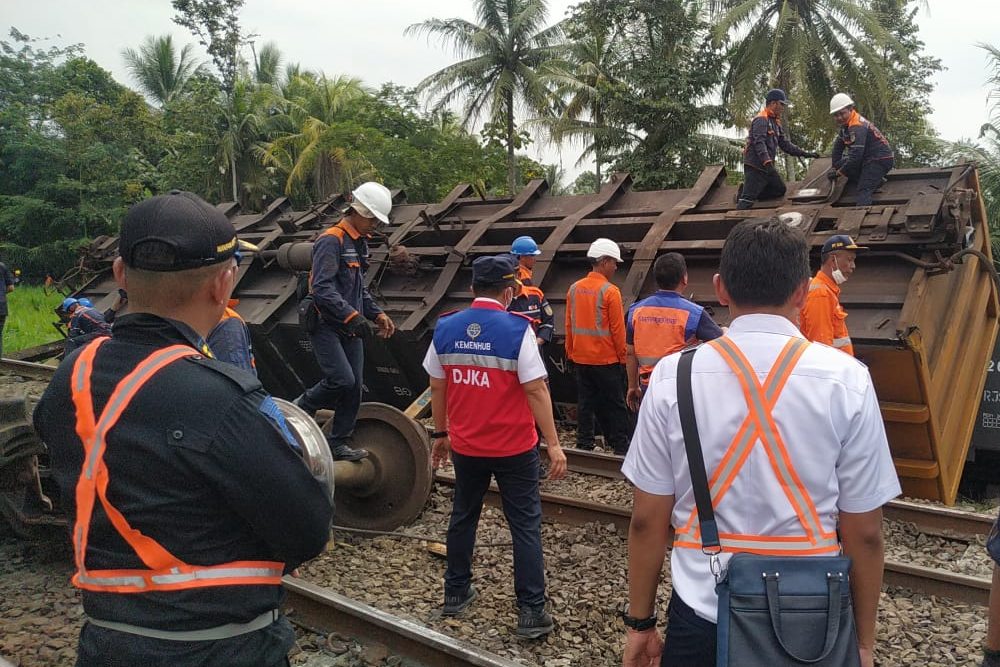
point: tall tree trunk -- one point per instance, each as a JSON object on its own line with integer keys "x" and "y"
{"x": 598, "y": 150}
{"x": 232, "y": 170}
{"x": 511, "y": 159}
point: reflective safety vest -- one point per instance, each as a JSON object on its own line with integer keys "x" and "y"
{"x": 659, "y": 325}
{"x": 823, "y": 319}
{"x": 165, "y": 572}
{"x": 595, "y": 322}
{"x": 759, "y": 426}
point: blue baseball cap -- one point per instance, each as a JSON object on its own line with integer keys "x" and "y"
{"x": 840, "y": 242}
{"x": 494, "y": 270}
{"x": 776, "y": 95}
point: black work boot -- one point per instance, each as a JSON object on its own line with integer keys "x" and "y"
{"x": 456, "y": 604}
{"x": 534, "y": 622}
{"x": 991, "y": 658}
{"x": 300, "y": 403}
{"x": 344, "y": 452}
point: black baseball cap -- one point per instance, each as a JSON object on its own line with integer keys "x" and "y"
{"x": 840, "y": 242}
{"x": 776, "y": 95}
{"x": 494, "y": 270}
{"x": 176, "y": 232}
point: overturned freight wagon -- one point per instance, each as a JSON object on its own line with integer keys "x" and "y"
{"x": 922, "y": 306}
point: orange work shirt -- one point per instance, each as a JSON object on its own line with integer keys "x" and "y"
{"x": 823, "y": 319}
{"x": 595, "y": 322}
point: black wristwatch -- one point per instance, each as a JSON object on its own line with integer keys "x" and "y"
{"x": 439, "y": 434}
{"x": 638, "y": 624}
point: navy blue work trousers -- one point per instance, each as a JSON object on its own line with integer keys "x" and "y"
{"x": 690, "y": 640}
{"x": 758, "y": 184}
{"x": 342, "y": 362}
{"x": 517, "y": 477}
{"x": 869, "y": 179}
{"x": 3, "y": 321}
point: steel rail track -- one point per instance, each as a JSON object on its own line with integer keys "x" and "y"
{"x": 944, "y": 521}
{"x": 926, "y": 580}
{"x": 27, "y": 369}
{"x": 324, "y": 611}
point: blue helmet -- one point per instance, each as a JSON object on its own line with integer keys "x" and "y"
{"x": 68, "y": 303}
{"x": 524, "y": 245}
{"x": 85, "y": 302}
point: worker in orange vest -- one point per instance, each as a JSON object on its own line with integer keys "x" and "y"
{"x": 595, "y": 343}
{"x": 661, "y": 324}
{"x": 823, "y": 319}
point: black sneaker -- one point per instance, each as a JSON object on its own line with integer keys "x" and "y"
{"x": 456, "y": 604}
{"x": 543, "y": 472}
{"x": 344, "y": 452}
{"x": 534, "y": 622}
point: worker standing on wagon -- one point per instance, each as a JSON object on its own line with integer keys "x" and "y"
{"x": 595, "y": 343}
{"x": 860, "y": 151}
{"x": 488, "y": 391}
{"x": 526, "y": 250}
{"x": 188, "y": 502}
{"x": 662, "y": 324}
{"x": 761, "y": 179}
{"x": 823, "y": 319}
{"x": 347, "y": 312}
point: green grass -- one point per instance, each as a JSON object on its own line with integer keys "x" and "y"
{"x": 29, "y": 318}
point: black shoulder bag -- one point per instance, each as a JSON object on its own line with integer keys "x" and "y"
{"x": 773, "y": 610}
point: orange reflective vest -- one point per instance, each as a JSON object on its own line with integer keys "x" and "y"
{"x": 759, "y": 426}
{"x": 165, "y": 572}
{"x": 660, "y": 324}
{"x": 823, "y": 319}
{"x": 595, "y": 322}
{"x": 524, "y": 274}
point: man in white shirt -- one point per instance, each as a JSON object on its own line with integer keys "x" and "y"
{"x": 828, "y": 471}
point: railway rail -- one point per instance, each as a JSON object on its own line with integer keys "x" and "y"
{"x": 929, "y": 518}
{"x": 926, "y": 580}
{"x": 321, "y": 610}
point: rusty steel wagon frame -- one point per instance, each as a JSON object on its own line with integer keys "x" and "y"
{"x": 924, "y": 324}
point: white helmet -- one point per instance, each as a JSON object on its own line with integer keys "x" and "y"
{"x": 604, "y": 248}
{"x": 375, "y": 198}
{"x": 840, "y": 101}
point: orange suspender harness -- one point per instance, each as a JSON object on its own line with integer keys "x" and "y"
{"x": 759, "y": 425}
{"x": 165, "y": 571}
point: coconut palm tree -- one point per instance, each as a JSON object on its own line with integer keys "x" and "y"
{"x": 267, "y": 64}
{"x": 160, "y": 71}
{"x": 581, "y": 81}
{"x": 314, "y": 148}
{"x": 499, "y": 73}
{"x": 810, "y": 48}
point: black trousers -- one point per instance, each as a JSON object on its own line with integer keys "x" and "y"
{"x": 3, "y": 321}
{"x": 690, "y": 640}
{"x": 759, "y": 184}
{"x": 600, "y": 394}
{"x": 869, "y": 179}
{"x": 517, "y": 477}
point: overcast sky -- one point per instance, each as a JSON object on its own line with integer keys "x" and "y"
{"x": 364, "y": 38}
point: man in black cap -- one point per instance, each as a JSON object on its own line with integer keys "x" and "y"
{"x": 761, "y": 179}
{"x": 187, "y": 498}
{"x": 823, "y": 319}
{"x": 488, "y": 392}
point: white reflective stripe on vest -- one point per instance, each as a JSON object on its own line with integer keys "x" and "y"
{"x": 480, "y": 360}
{"x": 601, "y": 329}
{"x": 86, "y": 578}
{"x": 648, "y": 361}
{"x": 215, "y": 573}
{"x": 842, "y": 342}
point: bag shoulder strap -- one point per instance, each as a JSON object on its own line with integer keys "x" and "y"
{"x": 696, "y": 459}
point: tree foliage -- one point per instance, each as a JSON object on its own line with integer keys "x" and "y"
{"x": 216, "y": 24}
{"x": 159, "y": 70}
{"x": 503, "y": 58}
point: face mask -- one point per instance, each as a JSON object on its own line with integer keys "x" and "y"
{"x": 838, "y": 275}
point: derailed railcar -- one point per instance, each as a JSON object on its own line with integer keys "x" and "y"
{"x": 922, "y": 305}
